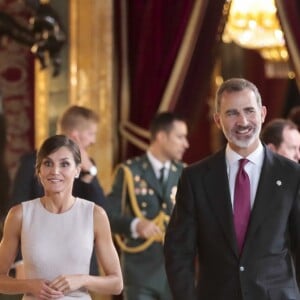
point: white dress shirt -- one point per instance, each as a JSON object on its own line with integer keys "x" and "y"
{"x": 253, "y": 169}
{"x": 157, "y": 165}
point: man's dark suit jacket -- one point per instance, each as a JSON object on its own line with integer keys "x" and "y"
{"x": 202, "y": 226}
{"x": 26, "y": 186}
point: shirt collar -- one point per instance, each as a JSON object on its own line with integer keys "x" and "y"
{"x": 256, "y": 157}
{"x": 157, "y": 164}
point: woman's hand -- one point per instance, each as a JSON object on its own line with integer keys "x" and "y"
{"x": 42, "y": 290}
{"x": 67, "y": 283}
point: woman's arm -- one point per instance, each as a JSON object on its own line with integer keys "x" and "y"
{"x": 112, "y": 282}
{"x": 8, "y": 251}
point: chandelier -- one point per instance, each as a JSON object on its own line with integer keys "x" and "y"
{"x": 253, "y": 24}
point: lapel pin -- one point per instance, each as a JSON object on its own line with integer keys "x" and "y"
{"x": 279, "y": 182}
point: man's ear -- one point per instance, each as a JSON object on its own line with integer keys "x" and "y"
{"x": 263, "y": 113}
{"x": 73, "y": 134}
{"x": 217, "y": 119}
{"x": 161, "y": 135}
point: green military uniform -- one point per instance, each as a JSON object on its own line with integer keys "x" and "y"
{"x": 137, "y": 192}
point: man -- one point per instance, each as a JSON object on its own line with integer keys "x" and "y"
{"x": 140, "y": 204}
{"x": 237, "y": 213}
{"x": 81, "y": 125}
{"x": 283, "y": 137}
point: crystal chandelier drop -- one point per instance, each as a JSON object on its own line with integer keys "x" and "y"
{"x": 253, "y": 24}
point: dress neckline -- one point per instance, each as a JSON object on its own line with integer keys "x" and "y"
{"x": 58, "y": 214}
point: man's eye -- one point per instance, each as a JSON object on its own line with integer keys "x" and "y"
{"x": 250, "y": 111}
{"x": 231, "y": 113}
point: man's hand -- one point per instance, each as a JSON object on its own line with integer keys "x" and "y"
{"x": 147, "y": 229}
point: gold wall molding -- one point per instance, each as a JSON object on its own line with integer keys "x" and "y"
{"x": 41, "y": 96}
{"x": 90, "y": 77}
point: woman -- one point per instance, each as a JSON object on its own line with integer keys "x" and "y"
{"x": 57, "y": 233}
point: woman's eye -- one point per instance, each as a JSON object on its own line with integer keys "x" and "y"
{"x": 65, "y": 164}
{"x": 47, "y": 163}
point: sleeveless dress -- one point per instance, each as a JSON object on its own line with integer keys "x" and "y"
{"x": 57, "y": 244}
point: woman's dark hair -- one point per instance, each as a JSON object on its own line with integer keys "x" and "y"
{"x": 54, "y": 143}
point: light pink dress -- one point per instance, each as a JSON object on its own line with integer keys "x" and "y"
{"x": 57, "y": 244}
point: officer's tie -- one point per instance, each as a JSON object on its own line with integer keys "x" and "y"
{"x": 161, "y": 178}
{"x": 241, "y": 203}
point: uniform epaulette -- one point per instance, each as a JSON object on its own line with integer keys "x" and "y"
{"x": 132, "y": 161}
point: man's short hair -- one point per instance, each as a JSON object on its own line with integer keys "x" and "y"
{"x": 75, "y": 117}
{"x": 272, "y": 131}
{"x": 163, "y": 121}
{"x": 236, "y": 85}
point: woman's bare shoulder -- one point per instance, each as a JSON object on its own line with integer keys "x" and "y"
{"x": 15, "y": 214}
{"x": 13, "y": 221}
{"x": 101, "y": 221}
{"x": 99, "y": 212}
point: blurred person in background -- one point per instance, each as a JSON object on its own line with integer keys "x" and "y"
{"x": 283, "y": 137}
{"x": 294, "y": 115}
{"x": 139, "y": 206}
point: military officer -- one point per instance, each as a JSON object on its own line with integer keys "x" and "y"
{"x": 139, "y": 206}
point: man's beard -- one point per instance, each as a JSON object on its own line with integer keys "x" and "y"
{"x": 244, "y": 141}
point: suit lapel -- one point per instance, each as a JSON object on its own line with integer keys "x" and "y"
{"x": 219, "y": 198}
{"x": 266, "y": 187}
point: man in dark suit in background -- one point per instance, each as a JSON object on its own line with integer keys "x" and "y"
{"x": 140, "y": 204}
{"x": 283, "y": 137}
{"x": 237, "y": 213}
{"x": 81, "y": 125}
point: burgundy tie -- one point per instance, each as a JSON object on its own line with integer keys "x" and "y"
{"x": 241, "y": 210}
